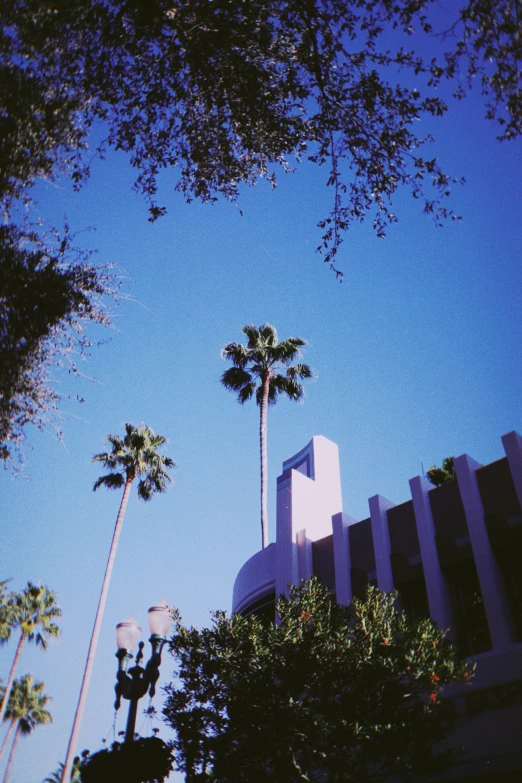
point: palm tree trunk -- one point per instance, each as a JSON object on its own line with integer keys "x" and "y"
{"x": 7, "y": 737}
{"x": 95, "y": 634}
{"x": 263, "y": 426}
{"x": 11, "y": 677}
{"x": 12, "y": 753}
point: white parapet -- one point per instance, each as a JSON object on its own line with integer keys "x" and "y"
{"x": 488, "y": 571}
{"x": 437, "y": 588}
{"x": 308, "y": 496}
{"x": 342, "y": 557}
{"x": 379, "y": 507}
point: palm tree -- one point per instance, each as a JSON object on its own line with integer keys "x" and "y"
{"x": 441, "y": 475}
{"x": 135, "y": 456}
{"x": 33, "y": 612}
{"x": 5, "y": 626}
{"x": 57, "y": 775}
{"x": 256, "y": 367}
{"x": 25, "y": 710}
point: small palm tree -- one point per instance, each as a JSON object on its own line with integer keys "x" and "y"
{"x": 133, "y": 457}
{"x": 441, "y": 475}
{"x": 256, "y": 370}
{"x": 26, "y": 710}
{"x": 57, "y": 775}
{"x": 33, "y": 612}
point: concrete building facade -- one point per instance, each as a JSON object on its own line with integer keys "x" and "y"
{"x": 452, "y": 552}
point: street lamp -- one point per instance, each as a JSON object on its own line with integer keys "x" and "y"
{"x": 134, "y": 683}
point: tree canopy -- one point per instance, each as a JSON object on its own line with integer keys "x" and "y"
{"x": 344, "y": 694}
{"x": 49, "y": 292}
{"x": 224, "y": 92}
{"x": 439, "y": 476}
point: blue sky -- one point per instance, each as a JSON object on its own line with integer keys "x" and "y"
{"x": 416, "y": 356}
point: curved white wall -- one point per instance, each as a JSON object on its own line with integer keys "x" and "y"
{"x": 255, "y": 579}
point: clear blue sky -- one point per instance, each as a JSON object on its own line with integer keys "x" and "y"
{"x": 416, "y": 353}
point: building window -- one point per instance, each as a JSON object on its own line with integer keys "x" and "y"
{"x": 472, "y": 630}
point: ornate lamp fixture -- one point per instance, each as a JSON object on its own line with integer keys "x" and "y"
{"x": 134, "y": 683}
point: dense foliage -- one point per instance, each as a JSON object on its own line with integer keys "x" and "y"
{"x": 49, "y": 292}
{"x": 222, "y": 91}
{"x": 344, "y": 694}
{"x": 439, "y": 476}
{"x": 226, "y": 92}
{"x": 146, "y": 760}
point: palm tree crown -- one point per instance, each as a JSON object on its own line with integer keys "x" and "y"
{"x": 27, "y": 704}
{"x": 261, "y": 359}
{"x": 256, "y": 370}
{"x": 135, "y": 456}
{"x": 33, "y": 612}
{"x": 26, "y": 710}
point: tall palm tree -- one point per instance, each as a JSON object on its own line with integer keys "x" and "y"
{"x": 135, "y": 456}
{"x": 33, "y": 611}
{"x": 26, "y": 710}
{"x": 256, "y": 370}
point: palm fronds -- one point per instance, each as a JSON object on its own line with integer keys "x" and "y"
{"x": 135, "y": 456}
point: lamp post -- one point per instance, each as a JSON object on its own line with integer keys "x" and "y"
{"x": 134, "y": 683}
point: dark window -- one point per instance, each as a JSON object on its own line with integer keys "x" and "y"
{"x": 511, "y": 569}
{"x": 323, "y": 561}
{"x": 472, "y": 630}
{"x": 497, "y": 489}
{"x": 414, "y": 599}
{"x": 263, "y": 608}
{"x": 362, "y": 556}
{"x": 403, "y": 530}
{"x": 448, "y": 512}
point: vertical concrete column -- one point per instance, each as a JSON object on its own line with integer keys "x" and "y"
{"x": 490, "y": 578}
{"x": 512, "y": 443}
{"x": 342, "y": 559}
{"x": 305, "y": 566}
{"x": 286, "y": 552}
{"x": 381, "y": 541}
{"x": 439, "y": 600}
